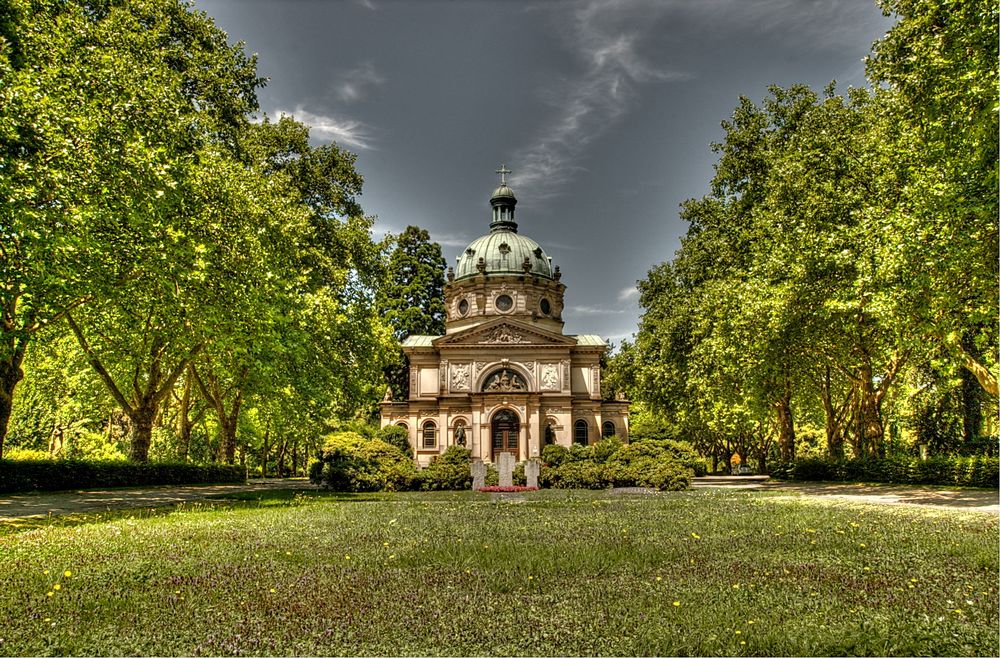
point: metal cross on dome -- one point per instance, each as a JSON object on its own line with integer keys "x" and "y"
{"x": 503, "y": 171}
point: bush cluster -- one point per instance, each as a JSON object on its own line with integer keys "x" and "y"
{"x": 351, "y": 462}
{"x": 59, "y": 474}
{"x": 610, "y": 463}
{"x": 962, "y": 471}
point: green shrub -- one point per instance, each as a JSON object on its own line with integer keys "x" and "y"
{"x": 397, "y": 436}
{"x": 25, "y": 454}
{"x": 603, "y": 449}
{"x": 961, "y": 471}
{"x": 579, "y": 452}
{"x": 580, "y": 474}
{"x": 686, "y": 455}
{"x": 518, "y": 477}
{"x": 449, "y": 471}
{"x": 669, "y": 475}
{"x": 350, "y": 462}
{"x": 554, "y": 455}
{"x": 55, "y": 475}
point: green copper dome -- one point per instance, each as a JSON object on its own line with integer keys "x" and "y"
{"x": 503, "y": 251}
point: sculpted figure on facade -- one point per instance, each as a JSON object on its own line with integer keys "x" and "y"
{"x": 460, "y": 376}
{"x": 550, "y": 377}
{"x": 503, "y": 334}
{"x": 505, "y": 381}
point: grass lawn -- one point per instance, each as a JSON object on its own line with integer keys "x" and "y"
{"x": 550, "y": 572}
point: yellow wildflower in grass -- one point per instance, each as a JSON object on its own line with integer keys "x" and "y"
{"x": 743, "y": 641}
{"x": 46, "y": 572}
{"x": 67, "y": 573}
{"x": 677, "y": 604}
{"x": 50, "y": 593}
{"x": 273, "y": 591}
{"x": 347, "y": 557}
{"x": 696, "y": 535}
{"x": 659, "y": 578}
{"x": 57, "y": 586}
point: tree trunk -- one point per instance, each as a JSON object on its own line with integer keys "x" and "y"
{"x": 141, "y": 434}
{"x": 834, "y": 417}
{"x": 786, "y": 427}
{"x": 281, "y": 458}
{"x": 11, "y": 374}
{"x": 184, "y": 422}
{"x": 263, "y": 456}
{"x": 869, "y": 428}
{"x": 972, "y": 398}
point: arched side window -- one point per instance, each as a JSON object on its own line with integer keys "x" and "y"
{"x": 403, "y": 425}
{"x": 461, "y": 432}
{"x": 581, "y": 433}
{"x": 429, "y": 436}
{"x": 607, "y": 429}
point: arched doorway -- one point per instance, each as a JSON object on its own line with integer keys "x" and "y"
{"x": 505, "y": 430}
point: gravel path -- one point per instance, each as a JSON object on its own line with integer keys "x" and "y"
{"x": 40, "y": 505}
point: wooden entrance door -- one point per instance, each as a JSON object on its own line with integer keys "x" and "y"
{"x": 505, "y": 430}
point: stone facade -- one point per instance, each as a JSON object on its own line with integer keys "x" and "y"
{"x": 504, "y": 378}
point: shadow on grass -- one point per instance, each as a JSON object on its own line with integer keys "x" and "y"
{"x": 272, "y": 498}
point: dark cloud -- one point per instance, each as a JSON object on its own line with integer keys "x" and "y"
{"x": 605, "y": 110}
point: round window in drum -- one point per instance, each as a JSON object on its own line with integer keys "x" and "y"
{"x": 463, "y": 307}
{"x": 545, "y": 306}
{"x": 504, "y": 303}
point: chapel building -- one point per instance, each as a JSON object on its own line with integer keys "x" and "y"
{"x": 504, "y": 377}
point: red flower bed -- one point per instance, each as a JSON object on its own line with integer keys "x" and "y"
{"x": 514, "y": 489}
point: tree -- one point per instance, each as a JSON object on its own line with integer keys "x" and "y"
{"x": 412, "y": 297}
{"x": 939, "y": 64}
{"x": 106, "y": 114}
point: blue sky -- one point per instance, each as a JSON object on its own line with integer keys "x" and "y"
{"x": 605, "y": 111}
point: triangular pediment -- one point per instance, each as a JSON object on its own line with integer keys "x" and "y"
{"x": 505, "y": 332}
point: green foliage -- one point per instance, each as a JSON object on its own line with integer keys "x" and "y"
{"x": 578, "y": 474}
{"x": 664, "y": 465}
{"x": 603, "y": 449}
{"x": 554, "y": 455}
{"x": 962, "y": 471}
{"x": 54, "y": 475}
{"x": 411, "y": 298}
{"x": 449, "y": 471}
{"x": 397, "y": 436}
{"x": 350, "y": 462}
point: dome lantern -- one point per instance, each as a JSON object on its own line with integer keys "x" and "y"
{"x": 503, "y": 202}
{"x": 503, "y": 251}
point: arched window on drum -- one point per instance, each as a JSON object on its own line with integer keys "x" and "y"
{"x": 607, "y": 429}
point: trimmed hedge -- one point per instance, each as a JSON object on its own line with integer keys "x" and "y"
{"x": 961, "y": 471}
{"x": 55, "y": 475}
